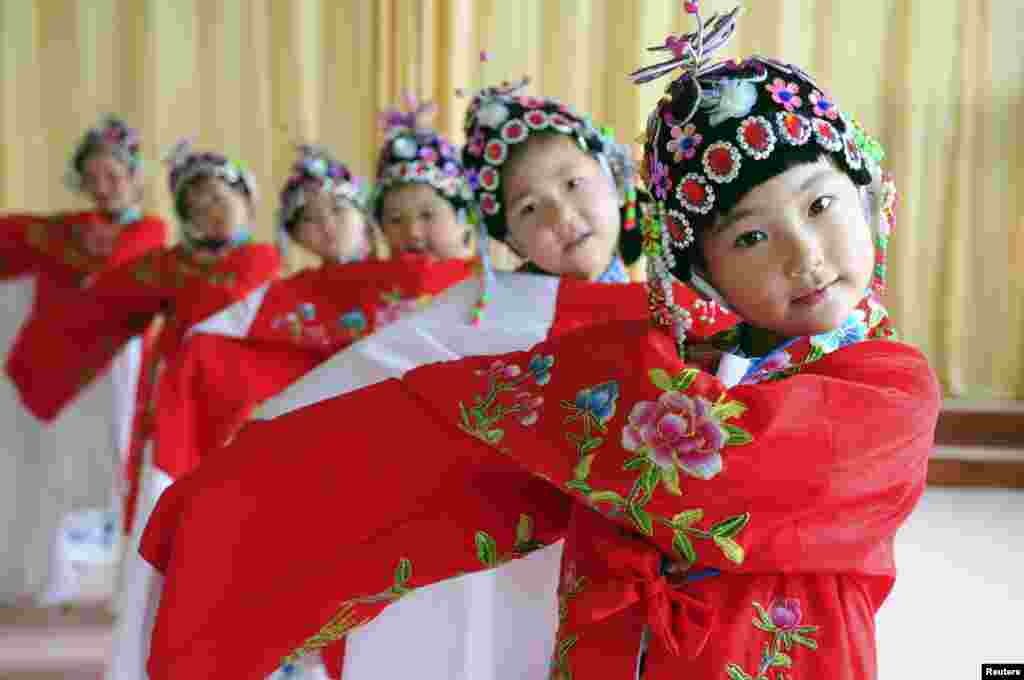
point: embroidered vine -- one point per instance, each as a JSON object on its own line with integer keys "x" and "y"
{"x": 481, "y": 418}
{"x": 487, "y": 547}
{"x": 346, "y": 620}
{"x": 782, "y": 620}
{"x": 677, "y": 432}
{"x": 570, "y": 587}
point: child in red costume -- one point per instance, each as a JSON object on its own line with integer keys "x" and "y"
{"x": 735, "y": 526}
{"x": 215, "y": 265}
{"x": 46, "y": 259}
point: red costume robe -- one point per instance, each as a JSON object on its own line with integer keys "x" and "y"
{"x": 256, "y": 348}
{"x": 185, "y": 293}
{"x": 791, "y": 488}
{"x": 75, "y": 452}
{"x": 40, "y": 364}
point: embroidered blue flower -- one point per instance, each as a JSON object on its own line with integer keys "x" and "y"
{"x": 540, "y": 367}
{"x": 853, "y": 330}
{"x": 599, "y": 401}
{"x": 353, "y": 321}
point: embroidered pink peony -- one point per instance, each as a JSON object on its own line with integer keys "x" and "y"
{"x": 677, "y": 430}
{"x": 785, "y": 613}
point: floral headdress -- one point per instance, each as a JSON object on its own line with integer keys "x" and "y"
{"x": 413, "y": 152}
{"x": 187, "y": 165}
{"x": 720, "y": 130}
{"x": 315, "y": 170}
{"x": 111, "y": 134}
{"x": 502, "y": 116}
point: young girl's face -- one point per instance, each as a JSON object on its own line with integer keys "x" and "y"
{"x": 416, "y": 219}
{"x": 332, "y": 229}
{"x": 215, "y": 209}
{"x": 561, "y": 207}
{"x": 796, "y": 255}
{"x": 109, "y": 182}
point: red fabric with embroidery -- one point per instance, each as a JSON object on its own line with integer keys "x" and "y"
{"x": 58, "y": 352}
{"x": 826, "y": 488}
{"x": 210, "y": 387}
{"x": 168, "y": 282}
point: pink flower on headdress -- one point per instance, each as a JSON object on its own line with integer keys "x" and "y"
{"x": 691, "y": 6}
{"x": 823, "y": 106}
{"x": 677, "y": 45}
{"x": 660, "y": 181}
{"x": 684, "y": 142}
{"x": 531, "y": 102}
{"x": 785, "y": 93}
{"x": 428, "y": 154}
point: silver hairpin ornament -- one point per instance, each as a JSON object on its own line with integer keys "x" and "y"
{"x": 692, "y": 52}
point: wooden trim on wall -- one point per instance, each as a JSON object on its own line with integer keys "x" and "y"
{"x": 979, "y": 444}
{"x": 980, "y": 428}
{"x": 976, "y": 473}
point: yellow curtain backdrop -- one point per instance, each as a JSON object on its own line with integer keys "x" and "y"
{"x": 939, "y": 81}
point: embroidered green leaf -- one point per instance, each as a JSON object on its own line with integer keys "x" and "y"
{"x": 486, "y": 549}
{"x": 579, "y": 485}
{"x": 787, "y": 641}
{"x": 403, "y": 572}
{"x": 524, "y": 530}
{"x": 782, "y": 660}
{"x": 607, "y": 497}
{"x": 876, "y": 317}
{"x": 681, "y": 544}
{"x": 767, "y": 628}
{"x": 649, "y": 480}
{"x": 764, "y": 615}
{"x": 730, "y": 527}
{"x": 810, "y": 643}
{"x": 806, "y": 629}
{"x": 574, "y": 438}
{"x": 815, "y": 354}
{"x": 687, "y": 518}
{"x": 592, "y": 443}
{"x": 728, "y": 409}
{"x": 582, "y": 469}
{"x": 684, "y": 379}
{"x": 661, "y": 379}
{"x": 670, "y": 476}
{"x": 494, "y": 436}
{"x": 641, "y": 519}
{"x": 732, "y": 550}
{"x": 635, "y": 462}
{"x": 736, "y": 673}
{"x": 465, "y": 414}
{"x": 737, "y": 436}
